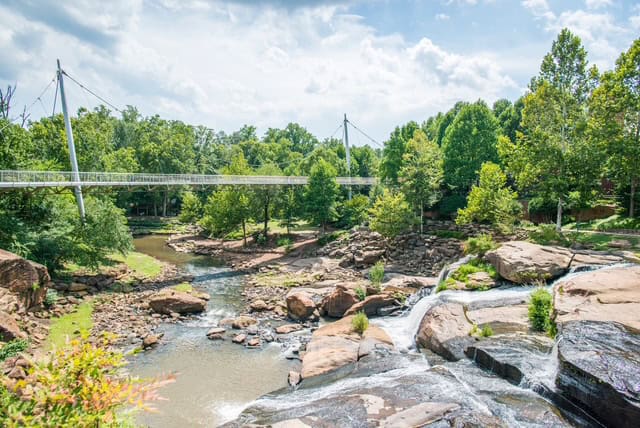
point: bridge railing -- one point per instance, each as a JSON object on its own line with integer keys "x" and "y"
{"x": 10, "y": 178}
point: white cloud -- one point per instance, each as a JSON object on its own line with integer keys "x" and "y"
{"x": 442, "y": 17}
{"x": 539, "y": 9}
{"x": 234, "y": 64}
{"x": 597, "y": 4}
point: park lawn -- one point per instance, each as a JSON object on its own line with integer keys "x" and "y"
{"x": 600, "y": 241}
{"x": 71, "y": 326}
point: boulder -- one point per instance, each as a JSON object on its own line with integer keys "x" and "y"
{"x": 288, "y": 328}
{"x": 600, "y": 370}
{"x": 523, "y": 262}
{"x": 407, "y": 281}
{"x": 502, "y": 319}
{"x": 216, "y": 333}
{"x": 27, "y": 279}
{"x": 338, "y": 302}
{"x": 372, "y": 304}
{"x": 610, "y": 294}
{"x": 445, "y": 330}
{"x": 258, "y": 306}
{"x": 169, "y": 300}
{"x": 335, "y": 345}
{"x": 367, "y": 258}
{"x": 150, "y": 341}
{"x": 300, "y": 306}
{"x": 480, "y": 280}
{"x": 9, "y": 328}
{"x": 243, "y": 321}
{"x": 239, "y": 338}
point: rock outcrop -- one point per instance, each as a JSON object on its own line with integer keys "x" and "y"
{"x": 339, "y": 301}
{"x": 600, "y": 370}
{"x": 611, "y": 294}
{"x": 372, "y": 305}
{"x": 27, "y": 280}
{"x": 336, "y": 345}
{"x": 445, "y": 330}
{"x": 169, "y": 300}
{"x": 9, "y": 328}
{"x": 523, "y": 262}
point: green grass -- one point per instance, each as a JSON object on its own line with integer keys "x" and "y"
{"x": 72, "y": 325}
{"x": 613, "y": 222}
{"x": 184, "y": 287}
{"x": 141, "y": 264}
{"x": 476, "y": 265}
{"x": 601, "y": 241}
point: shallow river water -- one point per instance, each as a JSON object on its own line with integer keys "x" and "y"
{"x": 215, "y": 379}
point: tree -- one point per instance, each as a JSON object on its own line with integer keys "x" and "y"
{"x": 391, "y": 214}
{"x": 321, "y": 194}
{"x": 264, "y": 196}
{"x": 394, "y": 150}
{"x": 421, "y": 174}
{"x": 353, "y": 212}
{"x": 191, "y": 209}
{"x": 553, "y": 122}
{"x": 491, "y": 200}
{"x": 615, "y": 120}
{"x": 469, "y": 142}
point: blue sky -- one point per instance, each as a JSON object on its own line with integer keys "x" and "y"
{"x": 269, "y": 62}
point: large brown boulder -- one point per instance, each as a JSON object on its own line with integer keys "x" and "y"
{"x": 523, "y": 262}
{"x": 26, "y": 279}
{"x": 338, "y": 302}
{"x": 611, "y": 294}
{"x": 372, "y": 304}
{"x": 168, "y": 301}
{"x": 300, "y": 306}
{"x": 9, "y": 328}
{"x": 445, "y": 330}
{"x": 336, "y": 345}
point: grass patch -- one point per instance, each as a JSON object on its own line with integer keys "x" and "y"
{"x": 479, "y": 245}
{"x": 13, "y": 348}
{"x": 463, "y": 272}
{"x": 141, "y": 264}
{"x": 72, "y": 325}
{"x": 376, "y": 274}
{"x": 185, "y": 287}
{"x": 601, "y": 241}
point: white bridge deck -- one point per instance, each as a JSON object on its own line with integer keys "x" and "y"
{"x": 39, "y": 179}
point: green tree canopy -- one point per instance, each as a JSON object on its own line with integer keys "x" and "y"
{"x": 321, "y": 194}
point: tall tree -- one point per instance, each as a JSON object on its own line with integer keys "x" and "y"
{"x": 265, "y": 196}
{"x": 551, "y": 156}
{"x": 393, "y": 152}
{"x": 421, "y": 174}
{"x": 469, "y": 142}
{"x": 321, "y": 193}
{"x": 615, "y": 120}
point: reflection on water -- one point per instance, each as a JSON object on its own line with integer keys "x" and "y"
{"x": 216, "y": 379}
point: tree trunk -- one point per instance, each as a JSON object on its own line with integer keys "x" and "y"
{"x": 164, "y": 204}
{"x": 244, "y": 233}
{"x": 266, "y": 219}
{"x": 559, "y": 216}
{"x": 632, "y": 197}
{"x": 155, "y": 207}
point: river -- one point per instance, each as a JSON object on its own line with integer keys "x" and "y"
{"x": 215, "y": 379}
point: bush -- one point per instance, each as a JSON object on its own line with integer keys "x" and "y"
{"x": 476, "y": 265}
{"x": 13, "y": 348}
{"x": 540, "y": 311}
{"x": 361, "y": 293}
{"x": 354, "y": 212}
{"x": 391, "y": 215}
{"x": 285, "y": 242}
{"x": 51, "y": 298}
{"x": 360, "y": 322}
{"x": 77, "y": 386}
{"x": 479, "y": 245}
{"x": 546, "y": 234}
{"x": 376, "y": 274}
{"x": 487, "y": 331}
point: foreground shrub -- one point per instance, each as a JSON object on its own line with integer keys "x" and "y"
{"x": 360, "y": 322}
{"x": 13, "y": 348}
{"x": 376, "y": 274}
{"x": 191, "y": 209}
{"x": 361, "y": 293}
{"x": 479, "y": 245}
{"x": 540, "y": 310}
{"x": 78, "y": 386}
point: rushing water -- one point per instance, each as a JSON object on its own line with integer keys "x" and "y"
{"x": 215, "y": 379}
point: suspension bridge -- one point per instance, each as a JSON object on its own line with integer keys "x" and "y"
{"x": 77, "y": 180}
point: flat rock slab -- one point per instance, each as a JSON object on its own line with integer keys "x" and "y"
{"x": 502, "y": 319}
{"x": 600, "y": 370}
{"x": 610, "y": 294}
{"x": 523, "y": 262}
